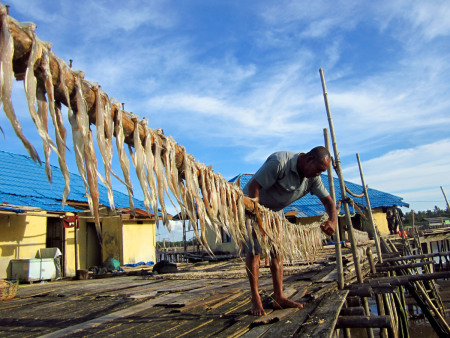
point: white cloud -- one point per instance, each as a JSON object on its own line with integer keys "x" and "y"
{"x": 428, "y": 19}
{"x": 414, "y": 172}
{"x": 175, "y": 233}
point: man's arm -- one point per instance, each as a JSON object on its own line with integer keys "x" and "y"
{"x": 329, "y": 227}
{"x": 253, "y": 190}
{"x": 253, "y": 194}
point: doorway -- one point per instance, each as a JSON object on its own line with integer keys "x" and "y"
{"x": 93, "y": 247}
{"x": 56, "y": 238}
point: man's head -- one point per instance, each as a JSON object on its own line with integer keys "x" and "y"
{"x": 314, "y": 162}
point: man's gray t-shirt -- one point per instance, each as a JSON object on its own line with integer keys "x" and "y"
{"x": 281, "y": 184}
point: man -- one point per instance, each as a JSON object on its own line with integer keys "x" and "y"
{"x": 397, "y": 215}
{"x": 390, "y": 221}
{"x": 284, "y": 178}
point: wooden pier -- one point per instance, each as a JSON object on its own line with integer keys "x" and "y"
{"x": 213, "y": 299}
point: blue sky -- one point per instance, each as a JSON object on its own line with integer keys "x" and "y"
{"x": 234, "y": 81}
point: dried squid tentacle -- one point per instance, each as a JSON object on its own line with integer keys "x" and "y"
{"x": 124, "y": 162}
{"x": 6, "y": 82}
{"x": 86, "y": 160}
{"x": 60, "y": 131}
{"x": 169, "y": 167}
{"x": 206, "y": 200}
{"x": 43, "y": 115}
{"x": 173, "y": 179}
{"x": 62, "y": 152}
{"x": 139, "y": 163}
{"x": 104, "y": 141}
{"x": 149, "y": 162}
{"x": 30, "y": 85}
{"x": 158, "y": 168}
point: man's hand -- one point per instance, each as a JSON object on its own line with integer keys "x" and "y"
{"x": 328, "y": 227}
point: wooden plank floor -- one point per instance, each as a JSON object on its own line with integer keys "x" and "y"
{"x": 202, "y": 300}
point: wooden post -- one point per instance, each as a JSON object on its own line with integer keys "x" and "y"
{"x": 363, "y": 322}
{"x": 337, "y": 237}
{"x": 184, "y": 236}
{"x": 76, "y": 243}
{"x": 344, "y": 196}
{"x": 369, "y": 210}
{"x": 378, "y": 297}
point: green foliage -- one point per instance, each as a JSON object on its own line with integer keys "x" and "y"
{"x": 421, "y": 215}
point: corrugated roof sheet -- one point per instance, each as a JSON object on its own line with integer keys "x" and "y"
{"x": 310, "y": 205}
{"x": 24, "y": 183}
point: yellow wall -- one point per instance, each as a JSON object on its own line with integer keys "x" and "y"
{"x": 379, "y": 218}
{"x": 126, "y": 241}
{"x": 139, "y": 242}
{"x": 89, "y": 251}
{"x": 112, "y": 238}
{"x": 20, "y": 237}
{"x": 69, "y": 257}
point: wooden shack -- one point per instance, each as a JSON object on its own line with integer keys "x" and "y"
{"x": 32, "y": 217}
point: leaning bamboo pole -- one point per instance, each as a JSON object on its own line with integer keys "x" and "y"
{"x": 369, "y": 211}
{"x": 341, "y": 181}
{"x": 445, "y": 197}
{"x": 344, "y": 195}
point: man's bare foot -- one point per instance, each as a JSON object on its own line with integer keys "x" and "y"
{"x": 258, "y": 310}
{"x": 283, "y": 303}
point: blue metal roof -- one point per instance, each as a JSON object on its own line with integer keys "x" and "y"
{"x": 24, "y": 183}
{"x": 310, "y": 205}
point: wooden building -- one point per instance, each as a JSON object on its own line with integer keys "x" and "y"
{"x": 32, "y": 218}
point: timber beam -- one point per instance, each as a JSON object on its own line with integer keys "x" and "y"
{"x": 405, "y": 258}
{"x": 363, "y": 322}
{"x": 384, "y": 268}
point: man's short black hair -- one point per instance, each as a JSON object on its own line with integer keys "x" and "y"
{"x": 319, "y": 153}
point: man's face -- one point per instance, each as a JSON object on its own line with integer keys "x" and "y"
{"x": 315, "y": 168}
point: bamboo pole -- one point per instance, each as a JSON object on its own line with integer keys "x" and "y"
{"x": 344, "y": 195}
{"x": 337, "y": 237}
{"x": 446, "y": 200}
{"x": 369, "y": 210}
{"x": 363, "y": 322}
{"x": 378, "y": 297}
{"x": 404, "y": 266}
{"x": 421, "y": 256}
{"x": 341, "y": 181}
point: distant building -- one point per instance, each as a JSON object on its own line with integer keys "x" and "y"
{"x": 438, "y": 222}
{"x": 32, "y": 218}
{"x": 310, "y": 209}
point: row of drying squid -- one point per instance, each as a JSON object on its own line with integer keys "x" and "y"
{"x": 199, "y": 194}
